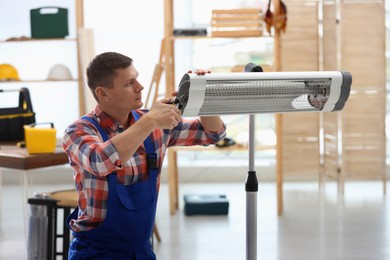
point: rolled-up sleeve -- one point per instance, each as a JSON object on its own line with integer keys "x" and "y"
{"x": 85, "y": 148}
{"x": 191, "y": 132}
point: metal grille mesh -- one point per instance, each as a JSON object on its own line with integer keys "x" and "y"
{"x": 264, "y": 96}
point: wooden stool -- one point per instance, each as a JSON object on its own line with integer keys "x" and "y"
{"x": 66, "y": 200}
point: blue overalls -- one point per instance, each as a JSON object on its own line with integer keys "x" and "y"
{"x": 128, "y": 226}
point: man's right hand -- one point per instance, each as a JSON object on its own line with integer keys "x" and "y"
{"x": 164, "y": 115}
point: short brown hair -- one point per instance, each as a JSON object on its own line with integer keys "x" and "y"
{"x": 102, "y": 69}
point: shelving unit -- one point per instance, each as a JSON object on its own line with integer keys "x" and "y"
{"x": 170, "y": 38}
{"x": 168, "y": 49}
{"x": 78, "y": 79}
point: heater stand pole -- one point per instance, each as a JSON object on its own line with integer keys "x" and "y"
{"x": 251, "y": 185}
{"x": 251, "y": 188}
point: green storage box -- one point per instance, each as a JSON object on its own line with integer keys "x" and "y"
{"x": 49, "y": 22}
{"x": 206, "y": 204}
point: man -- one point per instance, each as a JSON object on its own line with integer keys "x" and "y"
{"x": 116, "y": 152}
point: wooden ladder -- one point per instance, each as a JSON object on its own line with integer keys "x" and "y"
{"x": 158, "y": 70}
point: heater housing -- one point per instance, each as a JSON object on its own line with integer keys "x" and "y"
{"x": 265, "y": 92}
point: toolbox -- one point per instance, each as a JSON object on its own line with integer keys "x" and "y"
{"x": 49, "y": 22}
{"x": 40, "y": 139}
{"x": 206, "y": 204}
{"x": 13, "y": 118}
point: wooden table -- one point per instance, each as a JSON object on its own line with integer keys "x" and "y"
{"x": 173, "y": 179}
{"x": 14, "y": 157}
{"x": 11, "y": 156}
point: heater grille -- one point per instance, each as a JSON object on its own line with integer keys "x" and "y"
{"x": 264, "y": 96}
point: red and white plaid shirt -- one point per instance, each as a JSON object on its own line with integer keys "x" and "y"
{"x": 92, "y": 159}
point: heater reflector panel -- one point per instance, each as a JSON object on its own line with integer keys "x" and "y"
{"x": 263, "y": 92}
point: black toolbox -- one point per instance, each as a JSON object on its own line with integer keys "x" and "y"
{"x": 206, "y": 204}
{"x": 12, "y": 119}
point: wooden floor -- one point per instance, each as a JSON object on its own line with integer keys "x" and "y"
{"x": 315, "y": 224}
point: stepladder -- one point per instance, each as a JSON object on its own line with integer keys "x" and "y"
{"x": 153, "y": 92}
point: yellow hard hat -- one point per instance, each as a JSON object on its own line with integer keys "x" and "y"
{"x": 8, "y": 72}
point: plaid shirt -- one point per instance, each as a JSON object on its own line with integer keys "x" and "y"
{"x": 92, "y": 159}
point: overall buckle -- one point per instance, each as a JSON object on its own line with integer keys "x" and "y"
{"x": 152, "y": 161}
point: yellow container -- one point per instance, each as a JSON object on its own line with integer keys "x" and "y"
{"x": 40, "y": 139}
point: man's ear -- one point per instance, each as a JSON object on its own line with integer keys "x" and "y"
{"x": 101, "y": 93}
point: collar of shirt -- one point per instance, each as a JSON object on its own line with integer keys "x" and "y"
{"x": 107, "y": 122}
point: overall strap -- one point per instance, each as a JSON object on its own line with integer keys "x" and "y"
{"x": 149, "y": 147}
{"x": 148, "y": 143}
{"x": 99, "y": 128}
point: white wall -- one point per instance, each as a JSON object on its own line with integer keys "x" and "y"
{"x": 134, "y": 28}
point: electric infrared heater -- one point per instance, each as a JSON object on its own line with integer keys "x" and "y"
{"x": 261, "y": 92}
{"x": 266, "y": 92}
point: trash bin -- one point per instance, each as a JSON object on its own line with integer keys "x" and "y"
{"x": 41, "y": 228}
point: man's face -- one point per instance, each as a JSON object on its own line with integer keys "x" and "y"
{"x": 126, "y": 93}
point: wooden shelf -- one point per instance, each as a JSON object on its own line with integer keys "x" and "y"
{"x": 41, "y": 40}
{"x": 214, "y": 37}
{"x": 236, "y": 147}
{"x": 36, "y": 81}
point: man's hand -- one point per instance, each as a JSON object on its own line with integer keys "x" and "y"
{"x": 199, "y": 71}
{"x": 164, "y": 115}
